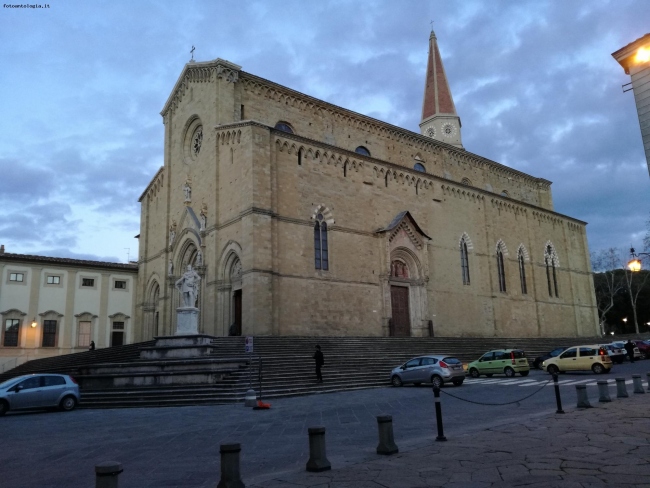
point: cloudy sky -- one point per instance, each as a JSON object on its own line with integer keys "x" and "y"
{"x": 82, "y": 84}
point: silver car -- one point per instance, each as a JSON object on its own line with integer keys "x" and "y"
{"x": 436, "y": 369}
{"x": 39, "y": 391}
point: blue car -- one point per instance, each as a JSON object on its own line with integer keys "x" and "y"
{"x": 39, "y": 391}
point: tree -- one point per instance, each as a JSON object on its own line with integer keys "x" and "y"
{"x": 609, "y": 280}
{"x": 635, "y": 283}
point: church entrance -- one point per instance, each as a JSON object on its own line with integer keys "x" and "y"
{"x": 399, "y": 298}
{"x": 237, "y": 305}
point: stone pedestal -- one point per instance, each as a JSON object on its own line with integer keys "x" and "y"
{"x": 187, "y": 320}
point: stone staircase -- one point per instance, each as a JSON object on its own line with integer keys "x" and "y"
{"x": 285, "y": 363}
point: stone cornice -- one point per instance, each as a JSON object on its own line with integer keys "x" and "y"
{"x": 384, "y": 129}
{"x": 158, "y": 173}
{"x": 200, "y": 72}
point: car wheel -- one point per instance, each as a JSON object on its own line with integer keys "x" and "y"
{"x": 524, "y": 373}
{"x": 598, "y": 368}
{"x": 509, "y": 372}
{"x": 644, "y": 355}
{"x": 619, "y": 362}
{"x": 552, "y": 369}
{"x": 396, "y": 381}
{"x": 474, "y": 373}
{"x": 417, "y": 384}
{"x": 489, "y": 375}
{"x": 537, "y": 365}
{"x": 4, "y": 408}
{"x": 68, "y": 403}
{"x": 437, "y": 381}
{"x": 458, "y": 382}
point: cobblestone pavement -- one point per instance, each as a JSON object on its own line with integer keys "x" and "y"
{"x": 604, "y": 446}
{"x": 508, "y": 445}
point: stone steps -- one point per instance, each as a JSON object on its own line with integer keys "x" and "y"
{"x": 287, "y": 367}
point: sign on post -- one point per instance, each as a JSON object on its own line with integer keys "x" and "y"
{"x": 248, "y": 344}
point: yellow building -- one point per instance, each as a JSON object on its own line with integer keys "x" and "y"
{"x": 304, "y": 218}
{"x": 52, "y": 306}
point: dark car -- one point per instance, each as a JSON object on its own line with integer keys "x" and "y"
{"x": 537, "y": 364}
{"x": 644, "y": 348}
{"x": 39, "y": 391}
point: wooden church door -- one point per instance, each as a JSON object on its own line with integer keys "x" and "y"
{"x": 399, "y": 297}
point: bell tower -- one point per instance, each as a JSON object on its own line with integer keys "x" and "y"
{"x": 439, "y": 118}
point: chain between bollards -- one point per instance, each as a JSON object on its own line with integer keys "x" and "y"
{"x": 558, "y": 399}
{"x": 436, "y": 395}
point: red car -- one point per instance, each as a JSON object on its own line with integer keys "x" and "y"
{"x": 644, "y": 348}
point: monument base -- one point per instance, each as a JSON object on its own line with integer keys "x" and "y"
{"x": 187, "y": 321}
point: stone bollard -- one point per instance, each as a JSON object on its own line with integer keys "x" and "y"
{"x": 638, "y": 385}
{"x": 621, "y": 390}
{"x": 583, "y": 400}
{"x": 107, "y": 474}
{"x": 603, "y": 391}
{"x": 230, "y": 475}
{"x": 250, "y": 400}
{"x": 386, "y": 440}
{"x": 317, "y": 457}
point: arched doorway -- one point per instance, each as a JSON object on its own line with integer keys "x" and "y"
{"x": 235, "y": 275}
{"x": 399, "y": 298}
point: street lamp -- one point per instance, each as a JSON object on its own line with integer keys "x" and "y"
{"x": 634, "y": 264}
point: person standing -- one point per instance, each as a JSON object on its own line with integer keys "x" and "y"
{"x": 91, "y": 347}
{"x": 320, "y": 361}
{"x": 629, "y": 348}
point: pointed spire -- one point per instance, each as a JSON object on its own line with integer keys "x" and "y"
{"x": 438, "y": 109}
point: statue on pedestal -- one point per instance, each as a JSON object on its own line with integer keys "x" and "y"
{"x": 188, "y": 285}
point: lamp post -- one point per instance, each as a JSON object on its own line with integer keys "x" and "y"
{"x": 634, "y": 264}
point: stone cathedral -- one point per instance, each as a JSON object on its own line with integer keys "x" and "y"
{"x": 304, "y": 218}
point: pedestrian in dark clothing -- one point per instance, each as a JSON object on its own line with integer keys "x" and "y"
{"x": 92, "y": 346}
{"x": 320, "y": 361}
{"x": 629, "y": 348}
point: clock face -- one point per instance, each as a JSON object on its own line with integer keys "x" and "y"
{"x": 448, "y": 130}
{"x": 431, "y": 132}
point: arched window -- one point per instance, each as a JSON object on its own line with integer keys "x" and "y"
{"x": 522, "y": 272}
{"x": 362, "y": 150}
{"x": 504, "y": 193}
{"x": 321, "y": 260}
{"x": 466, "y": 181}
{"x": 284, "y": 127}
{"x": 419, "y": 167}
{"x": 501, "y": 270}
{"x": 551, "y": 276}
{"x": 464, "y": 261}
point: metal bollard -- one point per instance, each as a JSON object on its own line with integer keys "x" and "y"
{"x": 386, "y": 440}
{"x": 583, "y": 400}
{"x": 317, "y": 457}
{"x": 603, "y": 390}
{"x": 638, "y": 385}
{"x": 621, "y": 390}
{"x": 107, "y": 474}
{"x": 230, "y": 475}
{"x": 436, "y": 395}
{"x": 558, "y": 399}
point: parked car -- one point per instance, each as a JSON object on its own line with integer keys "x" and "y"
{"x": 621, "y": 345}
{"x": 537, "y": 363}
{"x": 580, "y": 358}
{"x": 616, "y": 354}
{"x": 644, "y": 348}
{"x": 500, "y": 361}
{"x": 435, "y": 369}
{"x": 38, "y": 391}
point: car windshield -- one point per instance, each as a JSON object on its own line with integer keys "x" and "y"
{"x": 558, "y": 351}
{"x": 618, "y": 344}
{"x": 451, "y": 361}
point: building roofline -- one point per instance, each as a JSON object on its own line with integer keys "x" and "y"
{"x": 150, "y": 183}
{"x": 24, "y": 258}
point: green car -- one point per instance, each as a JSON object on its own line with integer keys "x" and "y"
{"x": 501, "y": 361}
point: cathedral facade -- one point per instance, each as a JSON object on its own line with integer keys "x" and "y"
{"x": 305, "y": 218}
